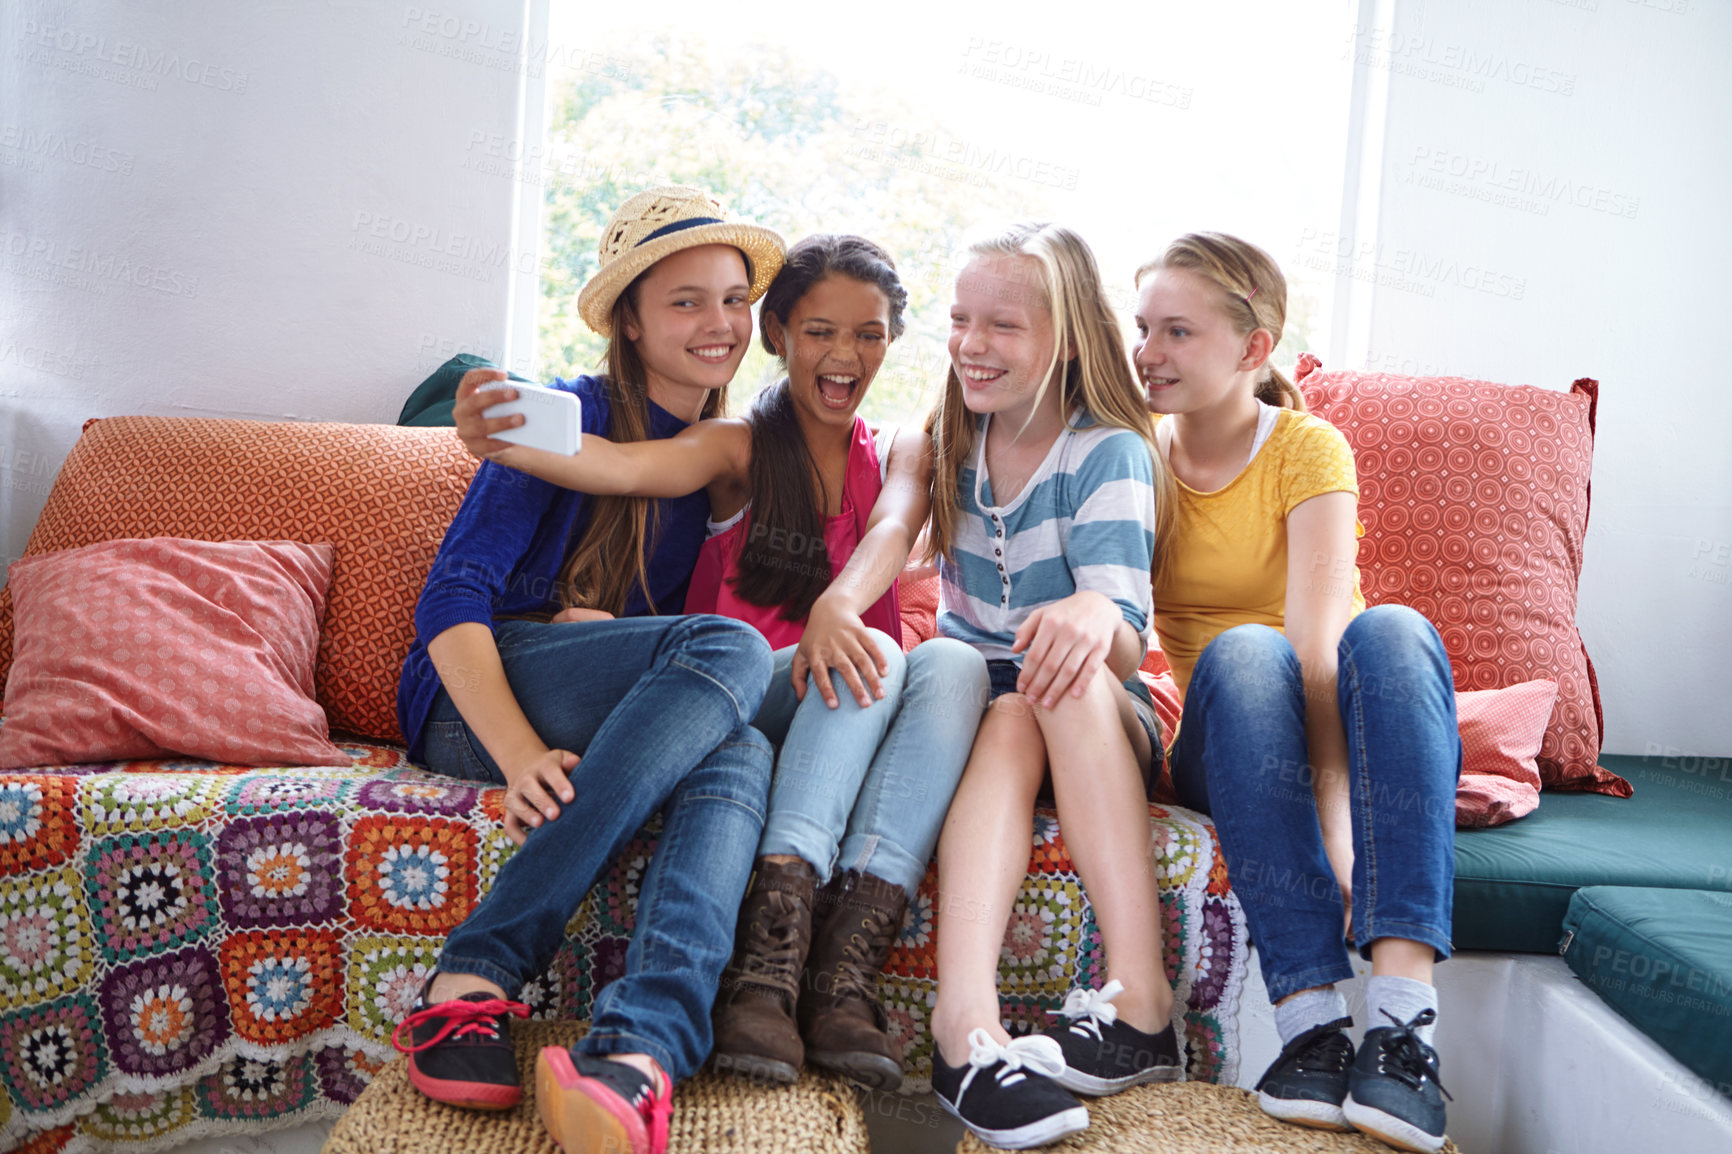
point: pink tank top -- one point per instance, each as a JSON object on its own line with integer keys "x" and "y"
{"x": 712, "y": 587}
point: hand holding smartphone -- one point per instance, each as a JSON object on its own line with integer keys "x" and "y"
{"x": 552, "y": 418}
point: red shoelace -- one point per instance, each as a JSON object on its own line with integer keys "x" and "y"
{"x": 460, "y": 1018}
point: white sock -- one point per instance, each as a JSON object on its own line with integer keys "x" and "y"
{"x": 1402, "y": 998}
{"x": 1307, "y": 1011}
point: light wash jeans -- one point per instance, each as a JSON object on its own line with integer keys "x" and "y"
{"x": 867, "y": 788}
{"x": 657, "y": 708}
{"x": 1241, "y": 756}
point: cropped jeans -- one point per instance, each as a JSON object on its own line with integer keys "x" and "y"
{"x": 658, "y": 710}
{"x": 867, "y": 788}
{"x": 1241, "y": 756}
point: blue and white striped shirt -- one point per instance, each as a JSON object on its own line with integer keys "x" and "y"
{"x": 1084, "y": 521}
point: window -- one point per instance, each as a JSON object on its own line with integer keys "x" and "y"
{"x": 916, "y": 125}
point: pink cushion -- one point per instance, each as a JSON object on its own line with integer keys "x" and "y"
{"x": 1474, "y": 498}
{"x": 139, "y": 648}
{"x": 1501, "y": 733}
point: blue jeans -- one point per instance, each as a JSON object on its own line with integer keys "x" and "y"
{"x": 868, "y": 788}
{"x": 658, "y": 710}
{"x": 1241, "y": 756}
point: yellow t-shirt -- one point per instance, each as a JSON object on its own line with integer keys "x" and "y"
{"x": 1229, "y": 554}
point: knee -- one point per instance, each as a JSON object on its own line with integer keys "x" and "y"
{"x": 1395, "y": 635}
{"x": 945, "y": 671}
{"x": 895, "y": 661}
{"x": 730, "y": 652}
{"x": 1249, "y": 658}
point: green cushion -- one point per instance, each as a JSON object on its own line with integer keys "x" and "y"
{"x": 431, "y": 403}
{"x": 1663, "y": 959}
{"x": 1513, "y": 883}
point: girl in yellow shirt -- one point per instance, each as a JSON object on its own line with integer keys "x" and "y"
{"x": 1319, "y": 734}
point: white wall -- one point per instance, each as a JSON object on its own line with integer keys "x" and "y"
{"x": 1626, "y": 277}
{"x": 280, "y": 211}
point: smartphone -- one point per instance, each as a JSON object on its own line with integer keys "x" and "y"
{"x": 552, "y": 418}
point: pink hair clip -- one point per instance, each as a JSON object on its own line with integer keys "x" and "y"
{"x": 1247, "y": 297}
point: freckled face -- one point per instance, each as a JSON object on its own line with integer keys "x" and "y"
{"x": 1001, "y": 333}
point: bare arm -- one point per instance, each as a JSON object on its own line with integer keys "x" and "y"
{"x": 1322, "y": 551}
{"x": 467, "y": 660}
{"x": 665, "y": 467}
{"x": 834, "y": 637}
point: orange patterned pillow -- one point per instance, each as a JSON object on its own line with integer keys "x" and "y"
{"x": 383, "y": 496}
{"x": 1474, "y": 498}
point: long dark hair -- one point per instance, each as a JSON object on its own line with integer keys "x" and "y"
{"x": 609, "y": 560}
{"x": 784, "y": 561}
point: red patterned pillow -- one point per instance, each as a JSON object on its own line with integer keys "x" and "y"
{"x": 1501, "y": 734}
{"x": 133, "y": 649}
{"x": 383, "y": 497}
{"x": 1474, "y": 498}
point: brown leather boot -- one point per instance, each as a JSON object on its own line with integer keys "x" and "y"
{"x": 840, "y": 1017}
{"x": 754, "y": 1016}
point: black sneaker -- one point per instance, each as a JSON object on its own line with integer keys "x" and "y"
{"x": 1006, "y": 1094}
{"x": 1308, "y": 1082}
{"x": 1393, "y": 1091}
{"x": 460, "y": 1051}
{"x": 1103, "y": 1055}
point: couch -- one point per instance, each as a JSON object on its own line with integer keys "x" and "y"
{"x": 1475, "y": 502}
{"x": 249, "y": 1003}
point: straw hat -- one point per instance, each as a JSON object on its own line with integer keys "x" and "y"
{"x": 659, "y": 222}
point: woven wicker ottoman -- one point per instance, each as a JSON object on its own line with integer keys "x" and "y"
{"x": 713, "y": 1114}
{"x": 1197, "y": 1118}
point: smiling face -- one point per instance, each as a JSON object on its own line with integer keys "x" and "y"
{"x": 1001, "y": 335}
{"x": 1188, "y": 354}
{"x": 692, "y": 323}
{"x": 833, "y": 344}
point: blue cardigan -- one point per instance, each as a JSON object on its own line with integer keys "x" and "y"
{"x": 505, "y": 548}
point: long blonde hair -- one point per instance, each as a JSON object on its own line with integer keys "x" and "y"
{"x": 1254, "y": 292}
{"x": 1097, "y": 378}
{"x": 608, "y": 561}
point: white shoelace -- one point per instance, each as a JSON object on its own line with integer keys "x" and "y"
{"x": 1036, "y": 1052}
{"x": 1089, "y": 1010}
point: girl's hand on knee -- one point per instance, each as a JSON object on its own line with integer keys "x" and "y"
{"x": 836, "y": 639}
{"x": 474, "y": 430}
{"x": 574, "y": 614}
{"x": 1064, "y": 645}
{"x": 530, "y": 794}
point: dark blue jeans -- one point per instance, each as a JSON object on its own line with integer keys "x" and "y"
{"x": 657, "y": 708}
{"x": 1241, "y": 757}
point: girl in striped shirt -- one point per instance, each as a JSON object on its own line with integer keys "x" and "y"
{"x": 1044, "y": 529}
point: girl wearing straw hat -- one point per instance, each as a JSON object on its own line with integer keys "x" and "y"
{"x": 813, "y": 518}
{"x": 503, "y": 686}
